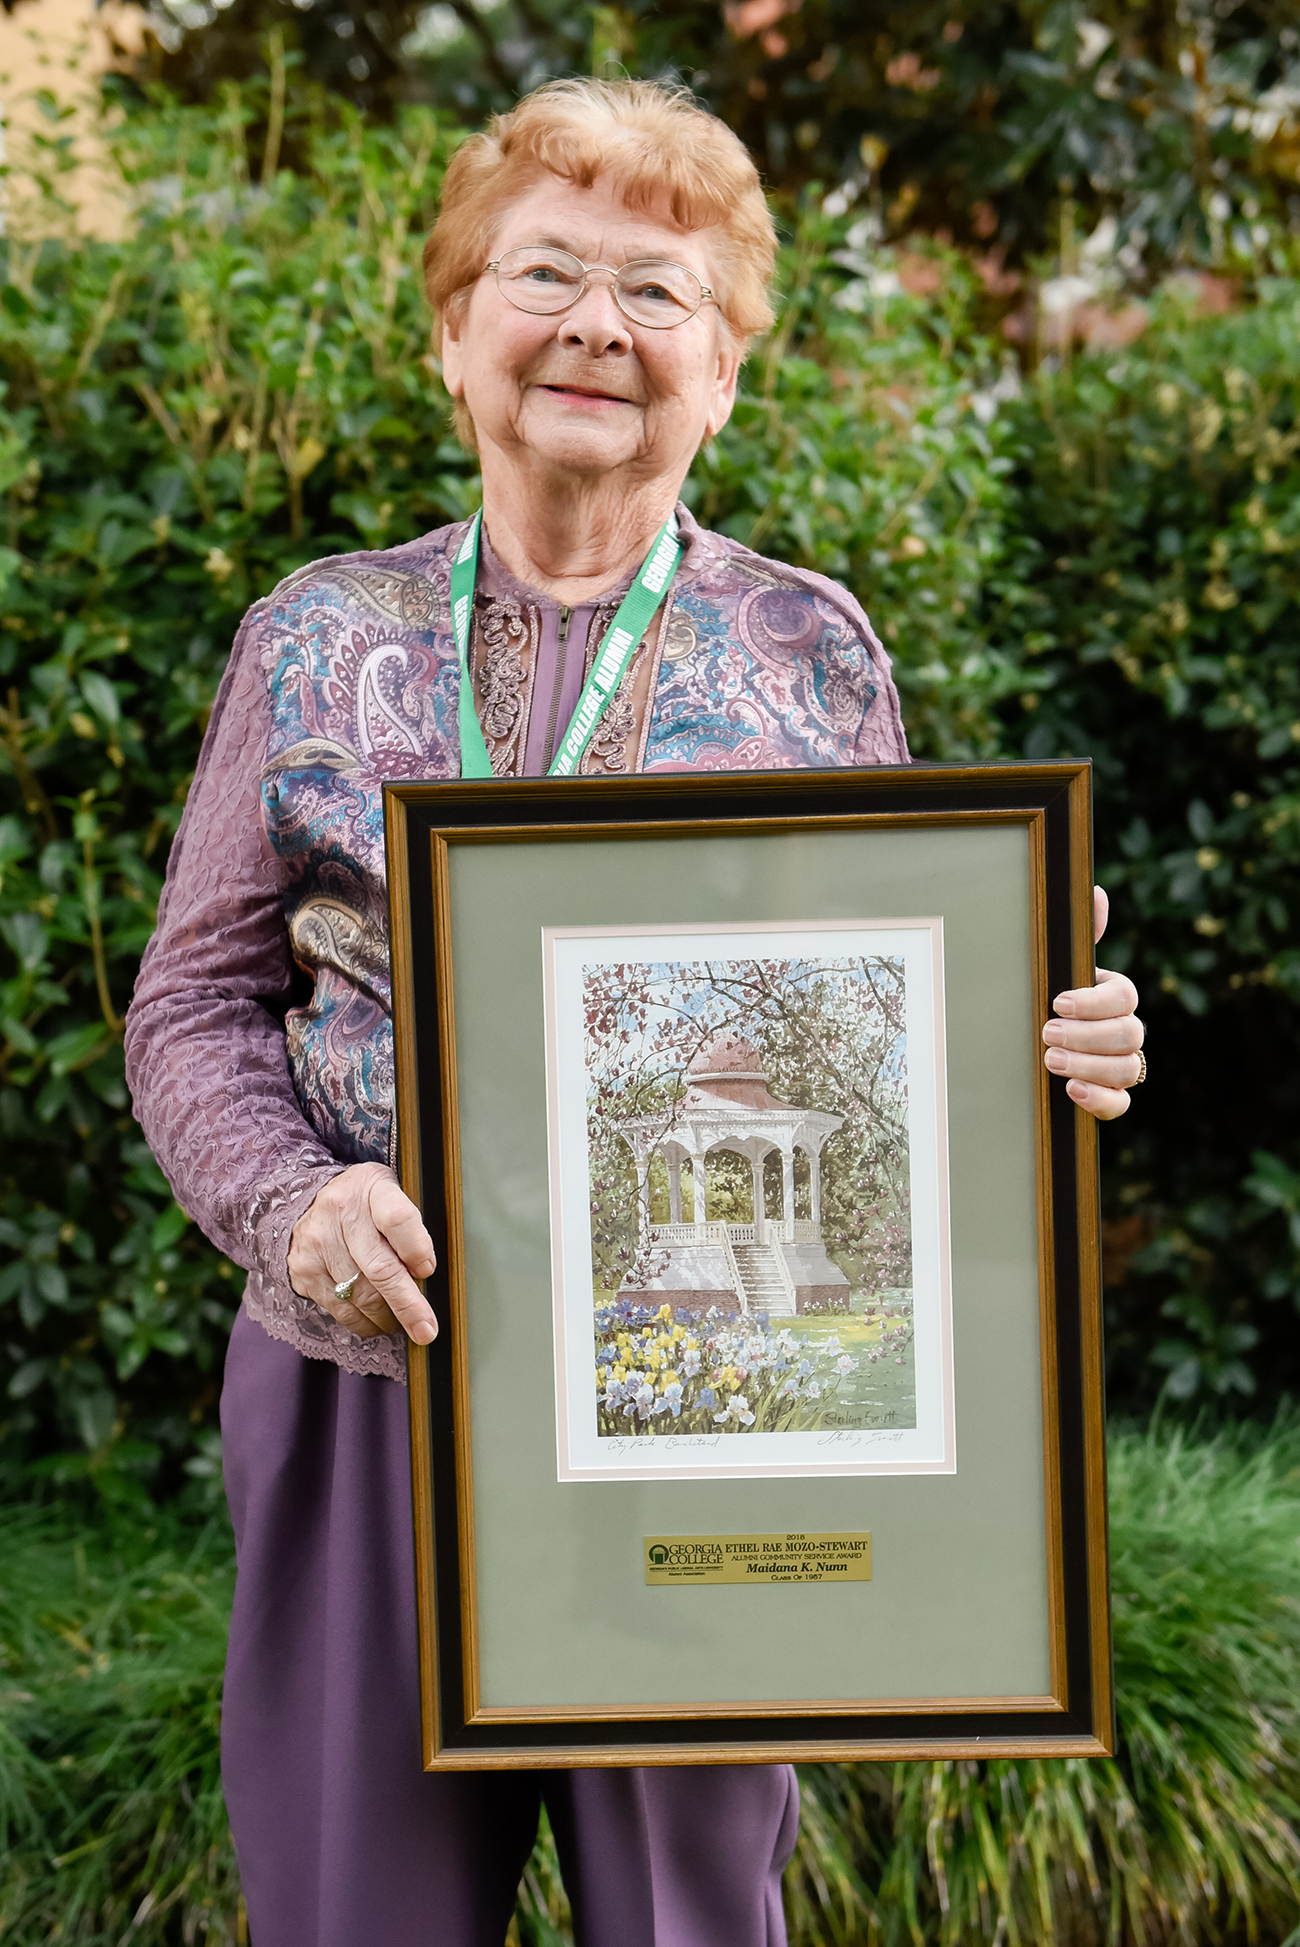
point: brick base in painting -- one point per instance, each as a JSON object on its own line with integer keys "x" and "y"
{"x": 689, "y": 1301}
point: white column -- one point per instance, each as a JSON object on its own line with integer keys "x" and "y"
{"x": 699, "y": 1174}
{"x": 787, "y": 1190}
{"x": 756, "y": 1172}
{"x": 815, "y": 1185}
{"x": 675, "y": 1187}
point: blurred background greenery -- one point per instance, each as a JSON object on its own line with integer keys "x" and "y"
{"x": 1033, "y": 396}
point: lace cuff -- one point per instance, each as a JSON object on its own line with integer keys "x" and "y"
{"x": 284, "y": 1313}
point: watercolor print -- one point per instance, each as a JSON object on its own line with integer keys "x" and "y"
{"x": 748, "y": 1181}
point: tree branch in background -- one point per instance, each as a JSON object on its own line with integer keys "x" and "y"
{"x": 472, "y": 19}
{"x": 35, "y": 802}
{"x": 275, "y": 119}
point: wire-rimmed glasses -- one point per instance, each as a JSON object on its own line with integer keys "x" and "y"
{"x": 651, "y": 291}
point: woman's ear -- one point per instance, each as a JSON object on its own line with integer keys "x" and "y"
{"x": 722, "y": 396}
{"x": 452, "y": 363}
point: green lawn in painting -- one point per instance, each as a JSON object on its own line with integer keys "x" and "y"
{"x": 882, "y": 1347}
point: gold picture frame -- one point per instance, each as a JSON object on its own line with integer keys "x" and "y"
{"x": 510, "y": 1646}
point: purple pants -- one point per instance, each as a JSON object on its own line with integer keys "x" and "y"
{"x": 343, "y": 1840}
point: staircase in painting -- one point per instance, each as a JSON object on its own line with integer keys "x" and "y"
{"x": 765, "y": 1289}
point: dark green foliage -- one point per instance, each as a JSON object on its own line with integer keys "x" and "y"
{"x": 968, "y": 116}
{"x": 187, "y": 418}
{"x": 355, "y": 51}
{"x": 1151, "y": 576}
{"x": 111, "y": 1642}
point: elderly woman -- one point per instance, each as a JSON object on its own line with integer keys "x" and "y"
{"x": 600, "y": 264}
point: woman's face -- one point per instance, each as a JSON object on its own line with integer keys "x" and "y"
{"x": 589, "y": 392}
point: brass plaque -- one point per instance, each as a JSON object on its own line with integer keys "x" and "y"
{"x": 756, "y": 1559}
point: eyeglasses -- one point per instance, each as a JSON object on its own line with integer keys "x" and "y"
{"x": 650, "y": 291}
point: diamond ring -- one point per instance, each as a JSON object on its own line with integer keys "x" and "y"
{"x": 344, "y": 1288}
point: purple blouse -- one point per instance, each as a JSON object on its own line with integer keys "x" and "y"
{"x": 259, "y": 1042}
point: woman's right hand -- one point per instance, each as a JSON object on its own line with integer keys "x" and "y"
{"x": 363, "y": 1221}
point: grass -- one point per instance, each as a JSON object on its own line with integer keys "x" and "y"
{"x": 111, "y": 1818}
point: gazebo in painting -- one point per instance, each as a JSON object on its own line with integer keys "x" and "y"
{"x": 775, "y": 1265}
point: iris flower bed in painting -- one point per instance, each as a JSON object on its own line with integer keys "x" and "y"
{"x": 660, "y": 1373}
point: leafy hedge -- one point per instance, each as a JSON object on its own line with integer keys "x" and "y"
{"x": 995, "y": 120}
{"x": 1152, "y": 576}
{"x": 188, "y": 418}
{"x": 1100, "y": 559}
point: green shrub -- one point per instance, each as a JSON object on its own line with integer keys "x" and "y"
{"x": 1150, "y": 576}
{"x": 972, "y": 117}
{"x": 188, "y": 417}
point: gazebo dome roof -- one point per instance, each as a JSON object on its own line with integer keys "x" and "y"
{"x": 728, "y": 1073}
{"x": 727, "y": 1097}
{"x": 729, "y": 1057}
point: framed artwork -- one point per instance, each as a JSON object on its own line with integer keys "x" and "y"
{"x": 652, "y": 1066}
{"x": 765, "y": 1419}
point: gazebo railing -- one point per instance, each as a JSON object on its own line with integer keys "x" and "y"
{"x": 688, "y": 1233}
{"x": 787, "y": 1282}
{"x": 737, "y": 1282}
{"x": 712, "y": 1233}
{"x": 777, "y": 1230}
{"x": 793, "y": 1230}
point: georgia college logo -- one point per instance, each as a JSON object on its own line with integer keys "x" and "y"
{"x": 685, "y": 1554}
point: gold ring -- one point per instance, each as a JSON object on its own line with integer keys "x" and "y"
{"x": 1142, "y": 1072}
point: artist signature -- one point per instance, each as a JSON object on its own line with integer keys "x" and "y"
{"x": 858, "y": 1439}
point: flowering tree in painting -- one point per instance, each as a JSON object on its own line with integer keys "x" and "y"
{"x": 831, "y": 1032}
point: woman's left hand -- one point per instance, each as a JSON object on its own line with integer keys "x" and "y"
{"x": 1097, "y": 1038}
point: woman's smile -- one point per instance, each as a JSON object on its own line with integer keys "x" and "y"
{"x": 585, "y": 395}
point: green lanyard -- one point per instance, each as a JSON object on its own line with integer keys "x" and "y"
{"x": 617, "y": 648}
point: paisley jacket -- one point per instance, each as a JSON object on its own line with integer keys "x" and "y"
{"x": 259, "y": 1043}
